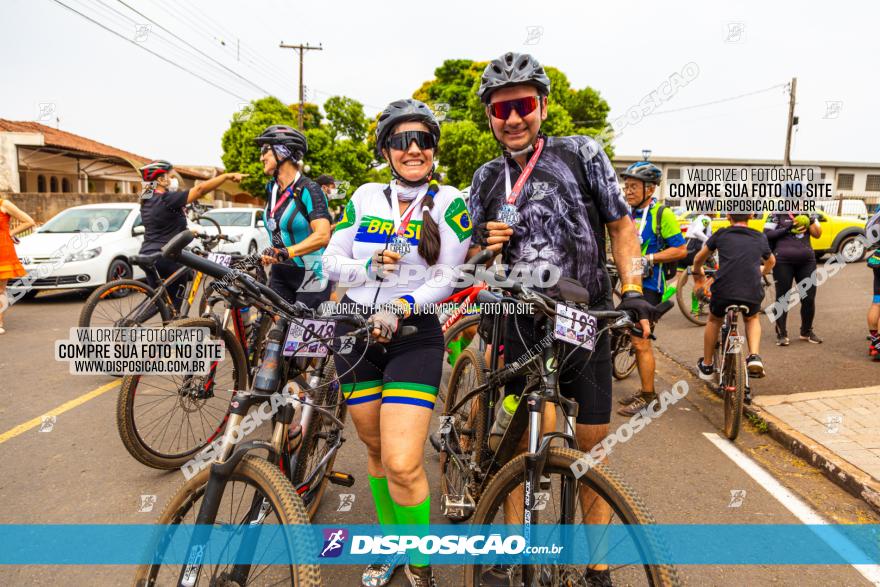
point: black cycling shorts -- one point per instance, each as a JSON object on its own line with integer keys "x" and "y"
{"x": 286, "y": 280}
{"x": 585, "y": 376}
{"x": 406, "y": 370}
{"x": 718, "y": 306}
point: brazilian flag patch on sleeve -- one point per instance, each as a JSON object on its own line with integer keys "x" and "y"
{"x": 347, "y": 217}
{"x": 458, "y": 219}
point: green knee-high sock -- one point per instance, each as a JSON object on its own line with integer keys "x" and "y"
{"x": 382, "y": 498}
{"x": 415, "y": 515}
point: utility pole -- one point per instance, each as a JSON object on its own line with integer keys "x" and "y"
{"x": 301, "y": 49}
{"x": 792, "y": 120}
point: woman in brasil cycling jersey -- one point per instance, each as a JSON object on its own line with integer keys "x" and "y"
{"x": 387, "y": 240}
{"x": 297, "y": 219}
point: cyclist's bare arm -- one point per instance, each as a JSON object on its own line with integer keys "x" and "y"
{"x": 319, "y": 238}
{"x": 769, "y": 264}
{"x": 212, "y": 184}
{"x": 699, "y": 260}
{"x": 671, "y": 254}
{"x": 625, "y": 248}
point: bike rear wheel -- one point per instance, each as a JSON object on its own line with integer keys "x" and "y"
{"x": 254, "y": 481}
{"x": 464, "y": 429}
{"x": 124, "y": 303}
{"x": 453, "y": 333}
{"x": 165, "y": 420}
{"x": 317, "y": 440}
{"x": 694, "y": 309}
{"x": 626, "y": 509}
{"x": 734, "y": 390}
{"x": 623, "y": 355}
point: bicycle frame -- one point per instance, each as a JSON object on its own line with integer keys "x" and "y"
{"x": 231, "y": 452}
{"x": 464, "y": 298}
{"x": 730, "y": 344}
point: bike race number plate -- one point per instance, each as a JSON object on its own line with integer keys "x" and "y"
{"x": 301, "y": 338}
{"x": 220, "y": 259}
{"x": 575, "y": 327}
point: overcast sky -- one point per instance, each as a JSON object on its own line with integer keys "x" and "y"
{"x": 108, "y": 89}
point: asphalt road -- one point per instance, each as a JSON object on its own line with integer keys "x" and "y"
{"x": 79, "y": 472}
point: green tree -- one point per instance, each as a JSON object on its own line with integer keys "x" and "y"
{"x": 311, "y": 115}
{"x": 346, "y": 117}
{"x": 240, "y": 152}
{"x": 463, "y": 148}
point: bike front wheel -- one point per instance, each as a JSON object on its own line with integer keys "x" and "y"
{"x": 624, "y": 508}
{"x": 165, "y": 420}
{"x": 124, "y": 302}
{"x": 256, "y": 494}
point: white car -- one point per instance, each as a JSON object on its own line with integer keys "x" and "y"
{"x": 245, "y": 223}
{"x": 83, "y": 246}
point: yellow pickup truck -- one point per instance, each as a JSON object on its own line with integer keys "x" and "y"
{"x": 838, "y": 233}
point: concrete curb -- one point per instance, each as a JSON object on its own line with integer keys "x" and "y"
{"x": 855, "y": 481}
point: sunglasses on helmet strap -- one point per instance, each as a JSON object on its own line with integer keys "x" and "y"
{"x": 402, "y": 140}
{"x": 523, "y": 107}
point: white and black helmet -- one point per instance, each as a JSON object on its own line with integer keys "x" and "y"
{"x": 513, "y": 69}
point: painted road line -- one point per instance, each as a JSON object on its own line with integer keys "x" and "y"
{"x": 792, "y": 502}
{"x": 21, "y": 428}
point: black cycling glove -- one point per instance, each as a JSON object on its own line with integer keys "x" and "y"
{"x": 635, "y": 303}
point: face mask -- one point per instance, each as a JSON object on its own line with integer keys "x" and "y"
{"x": 173, "y": 184}
{"x": 334, "y": 192}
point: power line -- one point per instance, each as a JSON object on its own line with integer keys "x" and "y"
{"x": 718, "y": 101}
{"x": 136, "y": 44}
{"x": 197, "y": 62}
{"x": 233, "y": 72}
{"x": 241, "y": 51}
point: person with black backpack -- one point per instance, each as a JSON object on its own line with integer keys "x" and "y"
{"x": 297, "y": 219}
{"x": 662, "y": 247}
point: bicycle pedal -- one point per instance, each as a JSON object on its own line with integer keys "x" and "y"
{"x": 337, "y": 478}
{"x": 457, "y": 505}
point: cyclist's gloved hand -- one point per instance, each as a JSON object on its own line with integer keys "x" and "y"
{"x": 636, "y": 304}
{"x": 275, "y": 255}
{"x": 384, "y": 323}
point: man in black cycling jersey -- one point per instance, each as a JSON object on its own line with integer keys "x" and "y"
{"x": 564, "y": 228}
{"x": 162, "y": 212}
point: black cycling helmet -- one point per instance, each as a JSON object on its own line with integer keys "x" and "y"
{"x": 155, "y": 169}
{"x": 408, "y": 110}
{"x": 513, "y": 69}
{"x": 645, "y": 171}
{"x": 292, "y": 139}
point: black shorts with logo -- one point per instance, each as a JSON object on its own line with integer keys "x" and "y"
{"x": 585, "y": 376}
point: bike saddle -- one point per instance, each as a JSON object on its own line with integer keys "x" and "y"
{"x": 146, "y": 261}
{"x": 571, "y": 290}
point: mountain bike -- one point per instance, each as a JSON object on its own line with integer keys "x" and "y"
{"x": 730, "y": 363}
{"x": 477, "y": 480}
{"x": 253, "y": 491}
{"x": 129, "y": 302}
{"x": 165, "y": 420}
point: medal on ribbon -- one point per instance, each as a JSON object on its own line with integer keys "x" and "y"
{"x": 509, "y": 215}
{"x": 400, "y": 245}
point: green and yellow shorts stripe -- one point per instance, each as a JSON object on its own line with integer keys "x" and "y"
{"x": 361, "y": 393}
{"x": 414, "y": 394}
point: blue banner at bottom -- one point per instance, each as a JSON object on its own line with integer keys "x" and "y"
{"x": 443, "y": 544}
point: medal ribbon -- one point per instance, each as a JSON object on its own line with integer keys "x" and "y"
{"x": 513, "y": 194}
